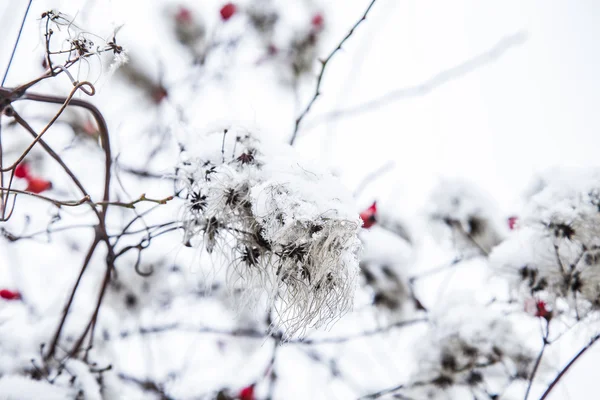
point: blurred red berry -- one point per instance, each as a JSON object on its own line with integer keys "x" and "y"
{"x": 22, "y": 171}
{"x": 247, "y": 393}
{"x": 159, "y": 94}
{"x": 38, "y": 185}
{"x": 512, "y": 222}
{"x": 368, "y": 216}
{"x": 184, "y": 15}
{"x": 317, "y": 21}
{"x": 541, "y": 310}
{"x": 89, "y": 128}
{"x": 227, "y": 11}
{"x": 9, "y": 294}
{"x": 538, "y": 308}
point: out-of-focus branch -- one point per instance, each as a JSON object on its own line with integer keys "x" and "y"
{"x": 568, "y": 366}
{"x": 435, "y": 82}
{"x": 12, "y": 54}
{"x": 324, "y": 64}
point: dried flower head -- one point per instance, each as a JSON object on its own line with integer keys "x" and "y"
{"x": 556, "y": 251}
{"x": 468, "y": 348}
{"x": 468, "y": 214}
{"x": 287, "y": 229}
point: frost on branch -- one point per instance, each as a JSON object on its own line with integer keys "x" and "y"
{"x": 287, "y": 229}
{"x": 555, "y": 253}
{"x": 468, "y": 214}
{"x": 470, "y": 351}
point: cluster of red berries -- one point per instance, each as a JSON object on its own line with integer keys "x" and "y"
{"x": 34, "y": 184}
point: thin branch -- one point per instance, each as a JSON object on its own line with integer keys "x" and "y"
{"x": 132, "y": 204}
{"x": 433, "y": 83}
{"x": 14, "y": 50}
{"x": 324, "y": 64}
{"x": 388, "y": 166}
{"x": 57, "y": 203}
{"x": 538, "y": 360}
{"x": 359, "y": 335}
{"x": 568, "y": 366}
{"x": 65, "y": 103}
{"x": 86, "y": 262}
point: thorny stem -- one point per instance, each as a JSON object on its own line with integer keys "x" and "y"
{"x": 324, "y": 64}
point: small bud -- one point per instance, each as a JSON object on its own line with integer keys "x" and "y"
{"x": 227, "y": 11}
{"x": 512, "y": 222}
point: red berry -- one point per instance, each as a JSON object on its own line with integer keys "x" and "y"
{"x": 38, "y": 185}
{"x": 227, "y": 11}
{"x": 22, "y": 171}
{"x": 317, "y": 21}
{"x": 538, "y": 309}
{"x": 247, "y": 393}
{"x": 89, "y": 128}
{"x": 159, "y": 94}
{"x": 184, "y": 15}
{"x": 9, "y": 294}
{"x": 541, "y": 310}
{"x": 368, "y": 216}
{"x": 512, "y": 222}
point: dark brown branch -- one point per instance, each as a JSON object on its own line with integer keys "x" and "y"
{"x": 86, "y": 262}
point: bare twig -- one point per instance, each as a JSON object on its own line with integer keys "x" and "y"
{"x": 132, "y": 204}
{"x": 57, "y": 203}
{"x": 14, "y": 50}
{"x": 538, "y": 360}
{"x": 400, "y": 324}
{"x": 324, "y": 64}
{"x": 388, "y": 166}
{"x": 568, "y": 366}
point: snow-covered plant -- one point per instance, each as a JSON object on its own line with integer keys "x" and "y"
{"x": 555, "y": 252}
{"x": 389, "y": 290}
{"x": 288, "y": 230}
{"x": 468, "y": 214}
{"x": 469, "y": 352}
